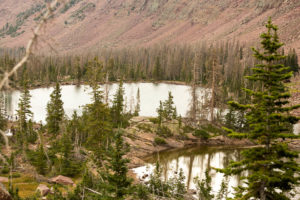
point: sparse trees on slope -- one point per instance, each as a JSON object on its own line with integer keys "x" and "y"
{"x": 273, "y": 171}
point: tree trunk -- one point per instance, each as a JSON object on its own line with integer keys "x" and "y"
{"x": 194, "y": 88}
{"x": 212, "y": 103}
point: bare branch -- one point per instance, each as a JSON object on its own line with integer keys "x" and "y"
{"x": 50, "y": 8}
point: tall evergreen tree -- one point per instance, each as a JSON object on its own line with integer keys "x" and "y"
{"x": 160, "y": 111}
{"x": 96, "y": 115}
{"x": 118, "y": 106}
{"x": 55, "y": 110}
{"x": 138, "y": 103}
{"x": 24, "y": 113}
{"x": 273, "y": 172}
{"x": 41, "y": 161}
{"x": 169, "y": 108}
{"x": 116, "y": 182}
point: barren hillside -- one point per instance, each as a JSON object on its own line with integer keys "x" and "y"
{"x": 91, "y": 24}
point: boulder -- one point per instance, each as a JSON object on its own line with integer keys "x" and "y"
{"x": 62, "y": 180}
{"x": 4, "y": 195}
{"x": 43, "y": 189}
{"x": 3, "y": 180}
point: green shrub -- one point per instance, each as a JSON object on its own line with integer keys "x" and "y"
{"x": 164, "y": 131}
{"x": 154, "y": 120}
{"x": 142, "y": 192}
{"x": 5, "y": 170}
{"x": 201, "y": 134}
{"x": 145, "y": 127}
{"x": 16, "y": 175}
{"x": 159, "y": 141}
{"x": 212, "y": 129}
{"x": 188, "y": 129}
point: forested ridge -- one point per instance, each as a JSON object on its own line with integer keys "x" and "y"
{"x": 158, "y": 63}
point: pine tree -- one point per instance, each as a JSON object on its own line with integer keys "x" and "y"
{"x": 138, "y": 103}
{"x": 118, "y": 107}
{"x": 116, "y": 182}
{"x": 55, "y": 111}
{"x": 169, "y": 108}
{"x": 273, "y": 172}
{"x": 24, "y": 113}
{"x": 41, "y": 161}
{"x": 160, "y": 111}
{"x": 157, "y": 72}
{"x": 96, "y": 115}
{"x": 69, "y": 166}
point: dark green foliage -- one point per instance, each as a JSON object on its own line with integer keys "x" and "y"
{"x": 31, "y": 133}
{"x": 23, "y": 114}
{"x": 117, "y": 109}
{"x": 169, "y": 110}
{"x": 55, "y": 111}
{"x": 138, "y": 102}
{"x": 201, "y": 134}
{"x": 142, "y": 192}
{"x": 166, "y": 110}
{"x": 157, "y": 72}
{"x": 116, "y": 184}
{"x": 145, "y": 127}
{"x": 159, "y": 141}
{"x": 38, "y": 159}
{"x": 69, "y": 165}
{"x": 164, "y": 131}
{"x": 154, "y": 120}
{"x": 75, "y": 129}
{"x": 160, "y": 111}
{"x": 273, "y": 171}
{"x": 96, "y": 116}
{"x": 188, "y": 129}
{"x": 211, "y": 128}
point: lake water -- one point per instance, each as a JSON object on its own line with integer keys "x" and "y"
{"x": 74, "y": 97}
{"x": 194, "y": 162}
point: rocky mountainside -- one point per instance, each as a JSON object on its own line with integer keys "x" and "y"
{"x": 92, "y": 24}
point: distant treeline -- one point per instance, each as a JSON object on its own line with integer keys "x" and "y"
{"x": 157, "y": 63}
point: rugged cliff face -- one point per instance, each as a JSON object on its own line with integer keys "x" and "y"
{"x": 90, "y": 24}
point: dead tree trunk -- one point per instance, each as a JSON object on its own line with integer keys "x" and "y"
{"x": 213, "y": 82}
{"x": 194, "y": 91}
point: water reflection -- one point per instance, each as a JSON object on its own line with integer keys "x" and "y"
{"x": 194, "y": 162}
